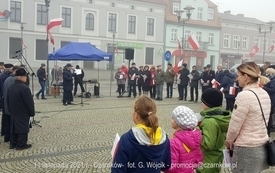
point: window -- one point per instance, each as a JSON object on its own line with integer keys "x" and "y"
{"x": 112, "y": 4}
{"x": 272, "y": 42}
{"x": 211, "y": 38}
{"x": 90, "y": 1}
{"x": 245, "y": 43}
{"x": 66, "y": 15}
{"x": 15, "y": 11}
{"x": 226, "y": 40}
{"x": 199, "y": 36}
{"x": 132, "y": 7}
{"x": 63, "y": 43}
{"x": 132, "y": 24}
{"x": 257, "y": 42}
{"x": 151, "y": 9}
{"x": 149, "y": 56}
{"x": 174, "y": 34}
{"x": 112, "y": 22}
{"x": 41, "y": 14}
{"x": 176, "y": 6}
{"x": 41, "y": 50}
{"x": 200, "y": 11}
{"x": 90, "y": 20}
{"x": 150, "y": 26}
{"x": 186, "y": 36}
{"x": 15, "y": 45}
{"x": 236, "y": 41}
{"x": 211, "y": 13}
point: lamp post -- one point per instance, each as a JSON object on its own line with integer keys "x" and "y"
{"x": 113, "y": 62}
{"x": 270, "y": 24}
{"x": 47, "y": 3}
{"x": 22, "y": 29}
{"x": 188, "y": 10}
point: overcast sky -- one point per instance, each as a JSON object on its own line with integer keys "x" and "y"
{"x": 260, "y": 9}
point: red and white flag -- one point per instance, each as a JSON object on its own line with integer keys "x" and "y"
{"x": 221, "y": 89}
{"x": 51, "y": 38}
{"x": 179, "y": 45}
{"x": 54, "y": 22}
{"x": 232, "y": 91}
{"x": 23, "y": 44}
{"x": 176, "y": 67}
{"x": 271, "y": 48}
{"x": 215, "y": 84}
{"x": 193, "y": 42}
{"x": 254, "y": 51}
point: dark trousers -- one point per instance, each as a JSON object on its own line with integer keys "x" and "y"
{"x": 76, "y": 83}
{"x": 179, "y": 90}
{"x": 230, "y": 103}
{"x": 196, "y": 92}
{"x": 7, "y": 126}
{"x": 121, "y": 88}
{"x": 41, "y": 91}
{"x": 3, "y": 123}
{"x": 132, "y": 88}
{"x": 19, "y": 140}
{"x": 153, "y": 91}
{"x": 183, "y": 92}
{"x": 169, "y": 89}
{"x": 67, "y": 97}
{"x": 139, "y": 88}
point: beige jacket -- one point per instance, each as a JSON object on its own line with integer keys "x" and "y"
{"x": 247, "y": 126}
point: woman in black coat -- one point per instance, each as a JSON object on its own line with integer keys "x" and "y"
{"x": 146, "y": 78}
{"x": 67, "y": 85}
{"x": 227, "y": 82}
{"x": 184, "y": 81}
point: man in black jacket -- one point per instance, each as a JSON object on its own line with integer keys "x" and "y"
{"x": 194, "y": 84}
{"x": 133, "y": 74}
{"x": 42, "y": 76}
{"x": 184, "y": 81}
{"x": 78, "y": 79}
{"x": 21, "y": 107}
{"x": 67, "y": 85}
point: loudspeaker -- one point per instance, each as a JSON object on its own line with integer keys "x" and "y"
{"x": 129, "y": 54}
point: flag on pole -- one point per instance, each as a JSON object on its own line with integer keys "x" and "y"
{"x": 51, "y": 38}
{"x": 193, "y": 42}
{"x": 23, "y": 44}
{"x": 54, "y": 22}
{"x": 254, "y": 51}
{"x": 271, "y": 48}
{"x": 179, "y": 45}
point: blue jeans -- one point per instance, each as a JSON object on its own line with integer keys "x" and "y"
{"x": 41, "y": 91}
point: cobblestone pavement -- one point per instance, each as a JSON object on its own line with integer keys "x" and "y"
{"x": 78, "y": 138}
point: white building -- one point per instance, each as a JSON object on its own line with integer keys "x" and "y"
{"x": 138, "y": 24}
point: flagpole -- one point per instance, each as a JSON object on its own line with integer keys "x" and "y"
{"x": 22, "y": 29}
{"x": 47, "y": 2}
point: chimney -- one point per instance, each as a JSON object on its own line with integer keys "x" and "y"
{"x": 240, "y": 15}
{"x": 227, "y": 12}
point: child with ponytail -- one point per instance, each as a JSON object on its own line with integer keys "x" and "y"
{"x": 146, "y": 147}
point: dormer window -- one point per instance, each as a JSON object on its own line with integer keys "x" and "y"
{"x": 210, "y": 13}
{"x": 176, "y": 6}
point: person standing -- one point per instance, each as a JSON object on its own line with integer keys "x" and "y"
{"x": 226, "y": 83}
{"x": 54, "y": 75}
{"x": 211, "y": 75}
{"x": 2, "y": 67}
{"x": 67, "y": 85}
{"x": 139, "y": 81}
{"x": 194, "y": 84}
{"x": 219, "y": 74}
{"x": 78, "y": 79}
{"x": 153, "y": 82}
{"x": 21, "y": 107}
{"x": 169, "y": 79}
{"x": 6, "y": 114}
{"x": 42, "y": 76}
{"x": 160, "y": 77}
{"x": 146, "y": 78}
{"x": 133, "y": 74}
{"x": 121, "y": 80}
{"x": 184, "y": 81}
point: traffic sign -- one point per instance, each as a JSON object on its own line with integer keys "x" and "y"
{"x": 167, "y": 56}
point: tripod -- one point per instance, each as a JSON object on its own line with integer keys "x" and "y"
{"x": 33, "y": 122}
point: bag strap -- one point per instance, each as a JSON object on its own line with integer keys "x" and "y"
{"x": 261, "y": 111}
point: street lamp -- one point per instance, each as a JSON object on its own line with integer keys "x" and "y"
{"x": 270, "y": 24}
{"x": 22, "y": 29}
{"x": 188, "y": 10}
{"x": 113, "y": 62}
{"x": 47, "y": 3}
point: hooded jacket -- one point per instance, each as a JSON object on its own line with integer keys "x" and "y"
{"x": 135, "y": 153}
{"x": 226, "y": 83}
{"x": 214, "y": 128}
{"x": 186, "y": 154}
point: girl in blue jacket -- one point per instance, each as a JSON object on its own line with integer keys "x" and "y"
{"x": 146, "y": 147}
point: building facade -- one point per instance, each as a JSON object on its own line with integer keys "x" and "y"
{"x": 135, "y": 24}
{"x": 239, "y": 34}
{"x": 204, "y": 24}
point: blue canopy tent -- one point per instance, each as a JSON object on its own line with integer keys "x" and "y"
{"x": 81, "y": 52}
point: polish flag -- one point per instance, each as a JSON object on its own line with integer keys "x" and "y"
{"x": 51, "y": 38}
{"x": 176, "y": 67}
{"x": 215, "y": 84}
{"x": 254, "y": 51}
{"x": 221, "y": 89}
{"x": 193, "y": 42}
{"x": 179, "y": 45}
{"x": 232, "y": 91}
{"x": 23, "y": 44}
{"x": 271, "y": 49}
{"x": 55, "y": 22}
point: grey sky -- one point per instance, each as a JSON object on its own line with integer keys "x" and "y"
{"x": 260, "y": 9}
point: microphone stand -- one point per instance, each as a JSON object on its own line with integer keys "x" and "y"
{"x": 81, "y": 98}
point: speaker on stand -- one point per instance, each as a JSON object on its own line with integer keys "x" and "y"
{"x": 129, "y": 55}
